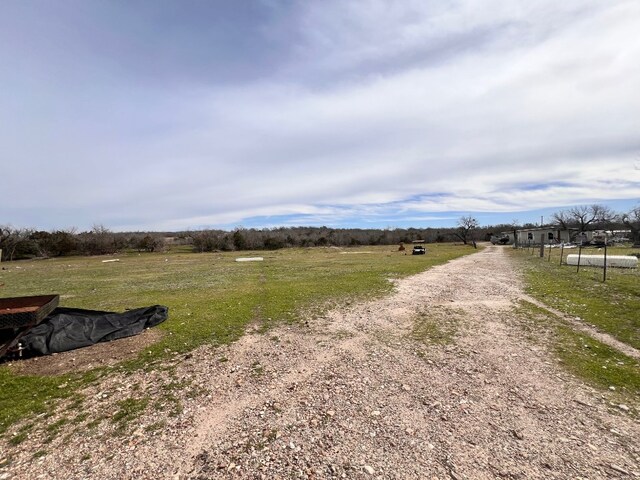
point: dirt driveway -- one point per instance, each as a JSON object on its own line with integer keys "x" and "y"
{"x": 356, "y": 395}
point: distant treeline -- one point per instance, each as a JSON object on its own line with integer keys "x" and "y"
{"x": 30, "y": 243}
{"x": 275, "y": 238}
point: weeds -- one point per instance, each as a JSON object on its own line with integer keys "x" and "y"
{"x": 38, "y": 454}
{"x": 590, "y": 360}
{"x": 129, "y": 410}
{"x": 155, "y": 427}
{"x": 55, "y": 426}
{"x": 437, "y": 326}
{"x": 257, "y": 369}
{"x": 18, "y": 438}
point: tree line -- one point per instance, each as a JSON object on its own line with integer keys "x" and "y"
{"x": 584, "y": 218}
{"x": 19, "y": 243}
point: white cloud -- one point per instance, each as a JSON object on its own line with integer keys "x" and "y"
{"x": 380, "y": 104}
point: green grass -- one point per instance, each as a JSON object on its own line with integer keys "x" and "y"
{"x": 55, "y": 426}
{"x": 128, "y": 410}
{"x": 18, "y": 438}
{"x": 613, "y": 306}
{"x": 591, "y": 360}
{"x": 211, "y": 299}
{"x": 53, "y": 429}
{"x": 21, "y": 396}
{"x": 93, "y": 424}
{"x": 81, "y": 417}
{"x": 156, "y": 426}
{"x": 39, "y": 454}
{"x": 600, "y": 364}
{"x": 431, "y": 328}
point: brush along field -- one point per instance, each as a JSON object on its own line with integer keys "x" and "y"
{"x": 343, "y": 365}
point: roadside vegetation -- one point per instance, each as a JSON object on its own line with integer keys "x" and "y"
{"x": 587, "y": 358}
{"x": 612, "y": 306}
{"x": 211, "y": 299}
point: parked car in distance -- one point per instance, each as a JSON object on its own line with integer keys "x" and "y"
{"x": 418, "y": 250}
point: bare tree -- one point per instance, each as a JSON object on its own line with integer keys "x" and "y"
{"x": 562, "y": 219}
{"x": 12, "y": 240}
{"x": 582, "y": 216}
{"x": 586, "y": 217}
{"x": 515, "y": 225}
{"x": 631, "y": 220}
{"x": 99, "y": 241}
{"x": 7, "y": 241}
{"x": 603, "y": 216}
{"x": 149, "y": 243}
{"x": 466, "y": 227}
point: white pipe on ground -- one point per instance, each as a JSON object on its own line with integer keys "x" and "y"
{"x": 620, "y": 261}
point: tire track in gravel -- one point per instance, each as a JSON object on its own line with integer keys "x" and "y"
{"x": 354, "y": 395}
{"x": 589, "y": 330}
{"x": 485, "y": 393}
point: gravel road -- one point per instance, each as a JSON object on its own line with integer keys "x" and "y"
{"x": 355, "y": 395}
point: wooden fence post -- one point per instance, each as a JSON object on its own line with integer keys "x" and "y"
{"x": 561, "y": 252}
{"x": 604, "y": 274}
{"x": 579, "y": 255}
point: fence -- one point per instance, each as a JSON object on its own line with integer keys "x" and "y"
{"x": 557, "y": 255}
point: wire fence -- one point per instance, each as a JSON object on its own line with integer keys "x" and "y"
{"x": 557, "y": 255}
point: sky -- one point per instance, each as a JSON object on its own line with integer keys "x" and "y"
{"x": 175, "y": 115}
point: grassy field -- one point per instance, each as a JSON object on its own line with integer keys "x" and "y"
{"x": 613, "y": 306}
{"x": 211, "y": 298}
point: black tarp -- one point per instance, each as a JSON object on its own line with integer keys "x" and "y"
{"x": 69, "y": 328}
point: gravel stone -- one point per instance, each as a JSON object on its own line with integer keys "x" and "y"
{"x": 492, "y": 403}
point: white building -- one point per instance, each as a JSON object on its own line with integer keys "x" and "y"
{"x": 546, "y": 235}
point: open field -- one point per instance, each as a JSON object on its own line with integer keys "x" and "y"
{"x": 454, "y": 372}
{"x": 211, "y": 299}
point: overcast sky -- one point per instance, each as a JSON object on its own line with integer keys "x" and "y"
{"x": 182, "y": 114}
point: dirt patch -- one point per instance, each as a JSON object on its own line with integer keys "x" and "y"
{"x": 83, "y": 359}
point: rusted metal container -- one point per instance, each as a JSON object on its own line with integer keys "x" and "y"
{"x": 19, "y": 312}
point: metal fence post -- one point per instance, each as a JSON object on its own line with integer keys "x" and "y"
{"x": 561, "y": 252}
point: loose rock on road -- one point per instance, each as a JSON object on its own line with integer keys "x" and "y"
{"x": 355, "y": 395}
